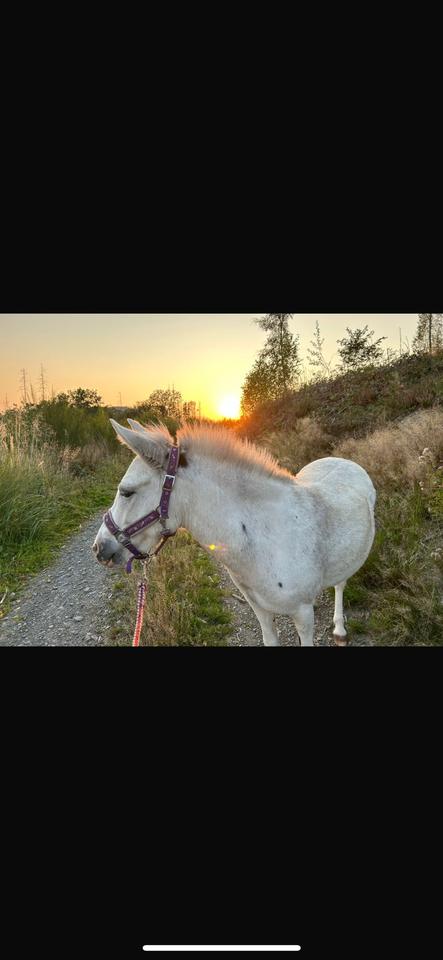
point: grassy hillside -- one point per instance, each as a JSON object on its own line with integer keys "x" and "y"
{"x": 357, "y": 402}
{"x": 390, "y": 420}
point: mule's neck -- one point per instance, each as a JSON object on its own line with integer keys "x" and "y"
{"x": 216, "y": 500}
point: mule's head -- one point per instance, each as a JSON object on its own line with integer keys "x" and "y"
{"x": 138, "y": 493}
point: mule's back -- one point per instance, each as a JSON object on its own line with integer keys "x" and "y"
{"x": 331, "y": 472}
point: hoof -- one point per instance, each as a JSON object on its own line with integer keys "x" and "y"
{"x": 340, "y": 641}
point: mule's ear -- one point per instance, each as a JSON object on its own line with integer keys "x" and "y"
{"x": 136, "y": 425}
{"x": 152, "y": 449}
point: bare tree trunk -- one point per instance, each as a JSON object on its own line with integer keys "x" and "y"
{"x": 24, "y": 386}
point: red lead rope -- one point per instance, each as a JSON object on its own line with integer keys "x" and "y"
{"x": 143, "y": 586}
{"x": 140, "y": 610}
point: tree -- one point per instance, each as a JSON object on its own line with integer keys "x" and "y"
{"x": 165, "y": 403}
{"x": 43, "y": 383}
{"x": 81, "y": 397}
{"x": 316, "y": 355}
{"x": 190, "y": 410}
{"x": 24, "y": 387}
{"x": 276, "y": 368}
{"x": 256, "y": 388}
{"x": 429, "y": 335}
{"x": 280, "y": 351}
{"x": 358, "y": 349}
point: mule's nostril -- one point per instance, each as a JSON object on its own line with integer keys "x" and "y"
{"x": 104, "y": 549}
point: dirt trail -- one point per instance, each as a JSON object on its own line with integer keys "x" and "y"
{"x": 68, "y": 604}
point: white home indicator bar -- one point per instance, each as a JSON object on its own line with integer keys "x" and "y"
{"x": 200, "y": 948}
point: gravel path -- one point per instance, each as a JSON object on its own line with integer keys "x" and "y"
{"x": 67, "y": 604}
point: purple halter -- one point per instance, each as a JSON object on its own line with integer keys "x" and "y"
{"x": 160, "y": 513}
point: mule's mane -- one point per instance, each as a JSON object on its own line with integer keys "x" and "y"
{"x": 221, "y": 444}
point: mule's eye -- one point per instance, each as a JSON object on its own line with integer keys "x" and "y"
{"x": 126, "y": 493}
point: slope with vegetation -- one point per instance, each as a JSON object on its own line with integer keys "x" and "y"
{"x": 353, "y": 403}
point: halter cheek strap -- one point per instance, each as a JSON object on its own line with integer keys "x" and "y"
{"x": 161, "y": 513}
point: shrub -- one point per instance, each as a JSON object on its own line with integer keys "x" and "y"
{"x": 78, "y": 426}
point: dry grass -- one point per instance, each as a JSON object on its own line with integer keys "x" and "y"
{"x": 393, "y": 455}
{"x": 307, "y": 441}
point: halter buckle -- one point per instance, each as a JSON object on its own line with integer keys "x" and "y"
{"x": 122, "y": 538}
{"x": 170, "y": 476}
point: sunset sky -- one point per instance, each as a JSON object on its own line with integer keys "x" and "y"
{"x": 205, "y": 356}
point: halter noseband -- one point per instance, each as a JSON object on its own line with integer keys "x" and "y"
{"x": 160, "y": 513}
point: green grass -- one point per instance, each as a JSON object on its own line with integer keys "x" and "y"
{"x": 401, "y": 583}
{"x": 184, "y": 605}
{"x": 41, "y": 504}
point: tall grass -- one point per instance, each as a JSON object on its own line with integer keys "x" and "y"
{"x": 59, "y": 423}
{"x": 46, "y": 489}
{"x": 184, "y": 605}
{"x": 393, "y": 455}
{"x": 401, "y": 584}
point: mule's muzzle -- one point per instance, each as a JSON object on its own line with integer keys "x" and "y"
{"x": 108, "y": 552}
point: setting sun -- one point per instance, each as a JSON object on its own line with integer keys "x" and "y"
{"x": 229, "y": 406}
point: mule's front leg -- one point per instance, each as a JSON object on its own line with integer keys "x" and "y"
{"x": 304, "y": 621}
{"x": 267, "y": 623}
{"x": 265, "y": 619}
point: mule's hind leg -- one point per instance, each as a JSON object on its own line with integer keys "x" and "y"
{"x": 340, "y": 635}
{"x": 304, "y": 621}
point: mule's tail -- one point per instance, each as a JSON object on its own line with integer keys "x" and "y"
{"x": 372, "y": 500}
